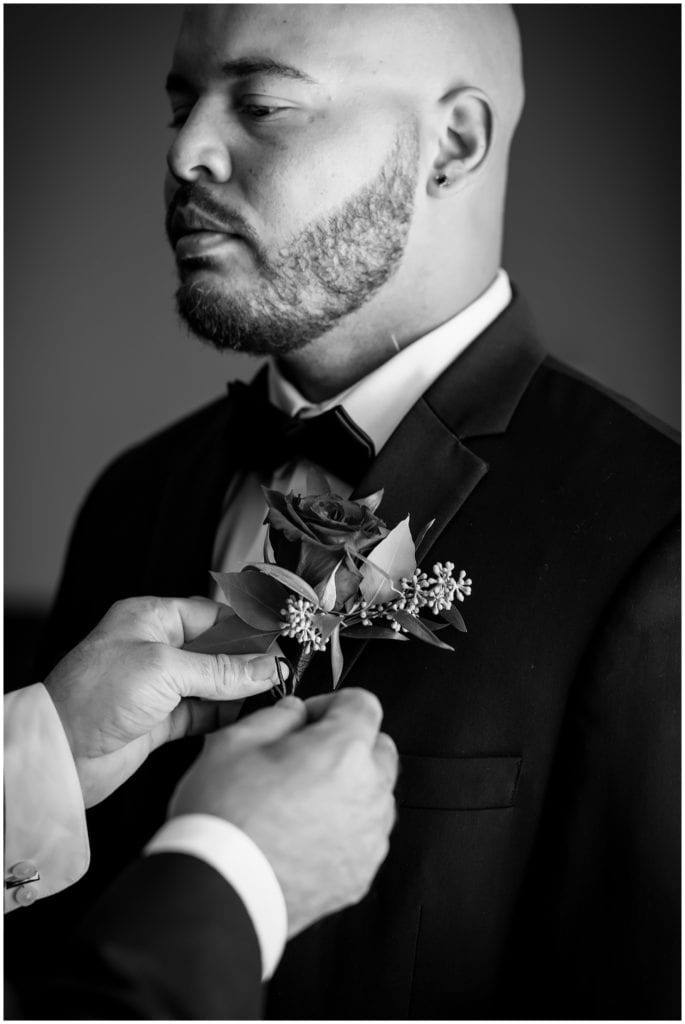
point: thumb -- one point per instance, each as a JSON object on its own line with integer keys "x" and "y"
{"x": 221, "y": 676}
{"x": 264, "y": 726}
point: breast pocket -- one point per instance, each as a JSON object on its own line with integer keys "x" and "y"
{"x": 457, "y": 783}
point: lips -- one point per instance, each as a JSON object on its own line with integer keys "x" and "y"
{"x": 203, "y": 243}
{"x": 189, "y": 222}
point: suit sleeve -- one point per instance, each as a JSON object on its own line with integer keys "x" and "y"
{"x": 170, "y": 940}
{"x": 612, "y": 870}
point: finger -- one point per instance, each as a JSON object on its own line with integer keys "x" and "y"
{"x": 171, "y": 621}
{"x": 353, "y": 710}
{"x": 196, "y": 718}
{"x": 220, "y": 676}
{"x": 386, "y": 758}
{"x": 318, "y": 706}
{"x": 183, "y": 619}
{"x": 265, "y": 726}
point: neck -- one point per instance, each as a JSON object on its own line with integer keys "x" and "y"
{"x": 370, "y": 337}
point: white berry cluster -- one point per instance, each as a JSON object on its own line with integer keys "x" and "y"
{"x": 414, "y": 593}
{"x": 464, "y": 586}
{"x": 299, "y": 624}
{"x": 437, "y": 592}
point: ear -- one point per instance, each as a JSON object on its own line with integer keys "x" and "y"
{"x": 465, "y": 140}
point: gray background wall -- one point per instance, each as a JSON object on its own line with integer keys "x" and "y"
{"x": 94, "y": 358}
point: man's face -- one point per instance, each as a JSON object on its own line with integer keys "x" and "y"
{"x": 293, "y": 173}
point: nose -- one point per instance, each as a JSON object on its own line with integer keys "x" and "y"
{"x": 200, "y": 149}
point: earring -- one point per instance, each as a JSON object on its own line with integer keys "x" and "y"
{"x": 441, "y": 180}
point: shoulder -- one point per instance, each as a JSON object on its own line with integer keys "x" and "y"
{"x": 594, "y": 474}
{"x": 148, "y": 463}
{"x": 583, "y": 427}
{"x": 616, "y": 411}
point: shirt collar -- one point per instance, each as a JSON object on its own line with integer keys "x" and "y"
{"x": 379, "y": 402}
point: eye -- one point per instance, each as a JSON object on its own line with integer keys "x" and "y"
{"x": 255, "y": 111}
{"x": 258, "y": 112}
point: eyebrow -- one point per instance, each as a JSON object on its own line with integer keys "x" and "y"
{"x": 264, "y": 66}
{"x": 243, "y": 68}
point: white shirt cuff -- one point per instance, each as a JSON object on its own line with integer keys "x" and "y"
{"x": 235, "y": 856}
{"x": 45, "y": 819}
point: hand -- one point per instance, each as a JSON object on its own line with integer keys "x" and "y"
{"x": 120, "y": 693}
{"x": 311, "y": 784}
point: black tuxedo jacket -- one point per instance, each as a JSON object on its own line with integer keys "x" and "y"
{"x": 169, "y": 940}
{"x": 534, "y": 867}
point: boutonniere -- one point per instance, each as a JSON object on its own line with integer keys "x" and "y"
{"x": 333, "y": 569}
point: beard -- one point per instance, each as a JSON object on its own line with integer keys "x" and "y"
{"x": 327, "y": 271}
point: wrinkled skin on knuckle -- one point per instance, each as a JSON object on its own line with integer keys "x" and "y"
{"x": 143, "y": 618}
{"x": 227, "y": 674}
{"x": 130, "y": 609}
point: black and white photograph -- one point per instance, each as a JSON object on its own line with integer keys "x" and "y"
{"x": 342, "y": 511}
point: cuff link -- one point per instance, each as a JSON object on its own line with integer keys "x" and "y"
{"x": 19, "y": 877}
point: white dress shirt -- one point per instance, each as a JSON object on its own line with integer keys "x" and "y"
{"x": 45, "y": 820}
{"x": 46, "y": 834}
{"x": 377, "y": 403}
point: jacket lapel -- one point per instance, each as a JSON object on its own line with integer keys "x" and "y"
{"x": 427, "y": 468}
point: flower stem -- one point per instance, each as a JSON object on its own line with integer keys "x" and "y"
{"x": 297, "y": 665}
{"x": 300, "y": 668}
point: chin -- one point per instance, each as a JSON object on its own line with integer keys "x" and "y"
{"x": 224, "y": 319}
{"x": 216, "y": 274}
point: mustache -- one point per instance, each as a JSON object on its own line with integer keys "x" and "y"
{"x": 198, "y": 199}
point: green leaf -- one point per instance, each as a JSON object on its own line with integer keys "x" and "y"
{"x": 371, "y": 501}
{"x": 326, "y": 590}
{"x": 372, "y": 633}
{"x": 375, "y": 586}
{"x": 316, "y": 561}
{"x": 232, "y": 636}
{"x": 422, "y": 534}
{"x": 253, "y": 596}
{"x": 289, "y": 579}
{"x": 346, "y": 585}
{"x": 326, "y": 624}
{"x": 317, "y": 483}
{"x": 417, "y": 628}
{"x": 454, "y": 618}
{"x": 394, "y": 556}
{"x": 336, "y": 657}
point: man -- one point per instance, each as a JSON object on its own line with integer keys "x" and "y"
{"x": 190, "y": 931}
{"x": 335, "y": 200}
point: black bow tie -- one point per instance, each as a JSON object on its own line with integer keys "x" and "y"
{"x": 269, "y": 438}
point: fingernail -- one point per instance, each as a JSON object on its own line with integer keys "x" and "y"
{"x": 262, "y": 668}
{"x": 285, "y": 667}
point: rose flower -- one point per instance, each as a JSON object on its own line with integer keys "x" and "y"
{"x": 311, "y": 535}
